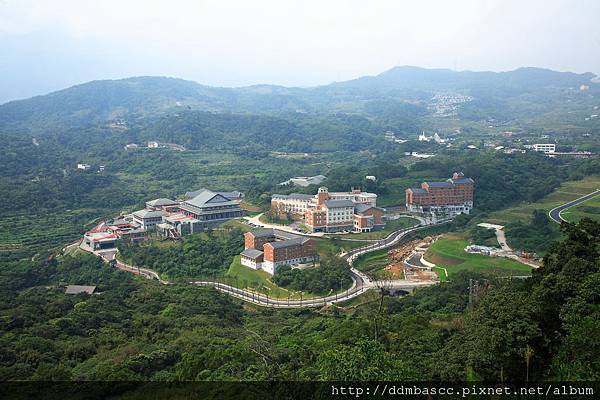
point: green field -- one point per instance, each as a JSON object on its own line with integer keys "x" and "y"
{"x": 448, "y": 252}
{"x": 589, "y": 209}
{"x": 390, "y": 226}
{"x": 243, "y": 277}
{"x": 566, "y": 192}
{"x": 373, "y": 264}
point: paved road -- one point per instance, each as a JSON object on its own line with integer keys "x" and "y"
{"x": 360, "y": 282}
{"x": 555, "y": 212}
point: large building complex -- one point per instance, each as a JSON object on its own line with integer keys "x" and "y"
{"x": 449, "y": 198}
{"x": 200, "y": 210}
{"x": 268, "y": 249}
{"x": 331, "y": 211}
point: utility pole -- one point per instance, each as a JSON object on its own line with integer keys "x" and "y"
{"x": 470, "y": 294}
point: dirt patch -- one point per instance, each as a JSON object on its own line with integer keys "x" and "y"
{"x": 444, "y": 260}
{"x": 395, "y": 270}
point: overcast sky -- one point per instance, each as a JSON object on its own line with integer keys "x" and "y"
{"x": 47, "y": 45}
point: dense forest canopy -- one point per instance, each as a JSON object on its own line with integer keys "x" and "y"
{"x": 252, "y": 139}
{"x": 139, "y": 329}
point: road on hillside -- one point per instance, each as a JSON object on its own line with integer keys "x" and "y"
{"x": 360, "y": 282}
{"x": 555, "y": 212}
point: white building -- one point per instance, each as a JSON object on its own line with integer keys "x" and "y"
{"x": 148, "y": 219}
{"x": 544, "y": 147}
{"x": 84, "y": 167}
{"x": 153, "y": 145}
{"x": 305, "y": 181}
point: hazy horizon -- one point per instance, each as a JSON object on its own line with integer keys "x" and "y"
{"x": 52, "y": 46}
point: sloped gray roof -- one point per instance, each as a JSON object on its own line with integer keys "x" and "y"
{"x": 263, "y": 232}
{"x": 289, "y": 242}
{"x": 148, "y": 214}
{"x": 298, "y": 196}
{"x": 418, "y": 190}
{"x": 208, "y": 198}
{"x": 462, "y": 180}
{"x": 338, "y": 203}
{"x": 161, "y": 202}
{"x": 76, "y": 289}
{"x": 440, "y": 184}
{"x": 359, "y": 208}
{"x": 252, "y": 253}
{"x": 235, "y": 194}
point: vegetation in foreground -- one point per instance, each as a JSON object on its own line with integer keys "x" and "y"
{"x": 141, "y": 330}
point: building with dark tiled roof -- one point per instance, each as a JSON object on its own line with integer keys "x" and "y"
{"x": 268, "y": 249}
{"x": 451, "y": 197}
{"x": 211, "y": 208}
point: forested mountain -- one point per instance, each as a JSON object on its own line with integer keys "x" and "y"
{"x": 401, "y": 93}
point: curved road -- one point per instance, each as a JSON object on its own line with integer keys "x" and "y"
{"x": 554, "y": 214}
{"x": 361, "y": 282}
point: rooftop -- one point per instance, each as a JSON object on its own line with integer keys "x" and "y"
{"x": 143, "y": 214}
{"x": 338, "y": 203}
{"x": 297, "y": 241}
{"x": 76, "y": 289}
{"x": 439, "y": 184}
{"x": 298, "y": 196}
{"x": 418, "y": 190}
{"x": 228, "y": 195}
{"x": 462, "y": 180}
{"x": 160, "y": 202}
{"x": 209, "y": 199}
{"x": 252, "y": 253}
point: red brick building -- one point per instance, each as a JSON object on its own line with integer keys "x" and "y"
{"x": 268, "y": 249}
{"x": 452, "y": 197}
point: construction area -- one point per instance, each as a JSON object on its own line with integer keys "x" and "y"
{"x": 401, "y": 265}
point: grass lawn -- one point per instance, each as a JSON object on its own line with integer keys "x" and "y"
{"x": 237, "y": 223}
{"x": 448, "y": 252}
{"x": 566, "y": 192}
{"x": 373, "y": 264}
{"x": 259, "y": 281}
{"x": 392, "y": 225}
{"x": 589, "y": 209}
{"x": 266, "y": 220}
{"x": 334, "y": 246}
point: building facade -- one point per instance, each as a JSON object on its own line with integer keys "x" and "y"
{"x": 331, "y": 211}
{"x": 450, "y": 198}
{"x": 268, "y": 249}
{"x": 211, "y": 208}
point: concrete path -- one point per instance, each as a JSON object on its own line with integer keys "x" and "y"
{"x": 360, "y": 281}
{"x": 500, "y": 236}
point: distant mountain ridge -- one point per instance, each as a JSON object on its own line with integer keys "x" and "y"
{"x": 399, "y": 87}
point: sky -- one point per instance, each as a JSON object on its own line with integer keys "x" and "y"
{"x": 47, "y": 45}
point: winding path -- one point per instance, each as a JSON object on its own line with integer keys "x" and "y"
{"x": 554, "y": 214}
{"x": 360, "y": 282}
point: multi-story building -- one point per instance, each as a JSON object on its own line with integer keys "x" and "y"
{"x": 452, "y": 197}
{"x": 268, "y": 249}
{"x": 294, "y": 205}
{"x": 171, "y": 218}
{"x": 211, "y": 208}
{"x": 544, "y": 147}
{"x": 148, "y": 219}
{"x": 332, "y": 211}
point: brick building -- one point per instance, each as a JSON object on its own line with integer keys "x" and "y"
{"x": 451, "y": 197}
{"x": 268, "y": 249}
{"x": 332, "y": 211}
